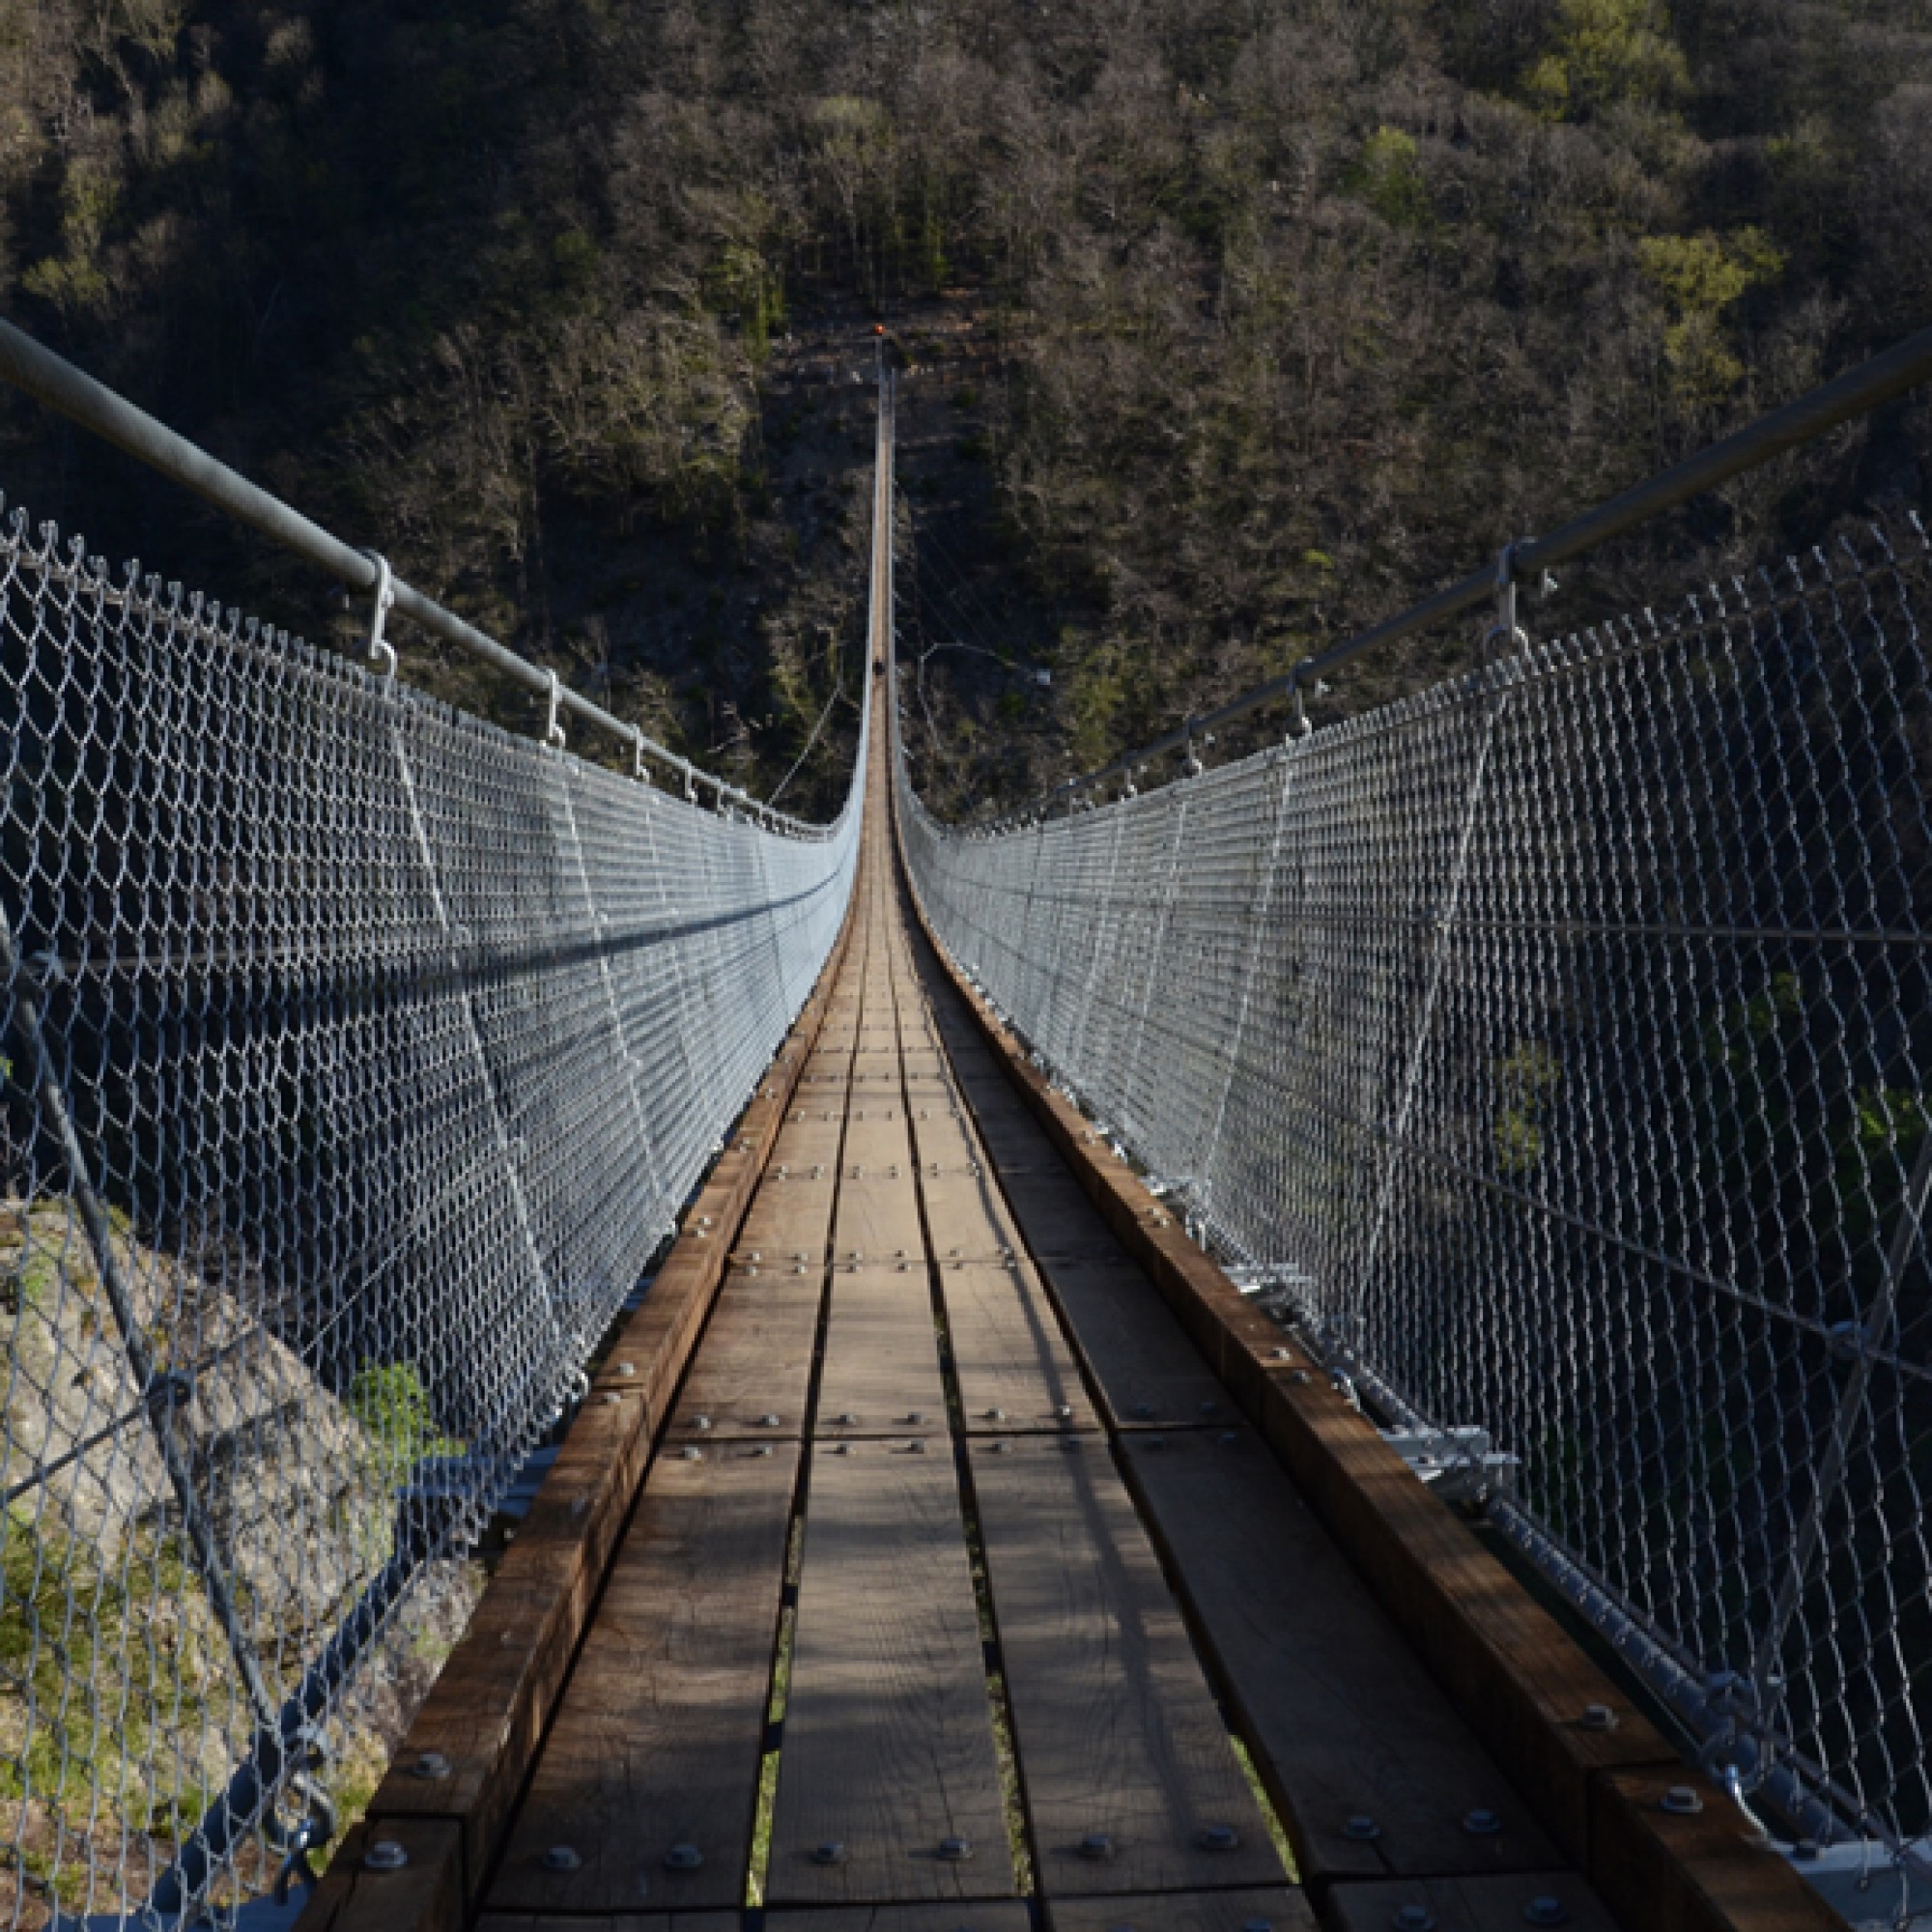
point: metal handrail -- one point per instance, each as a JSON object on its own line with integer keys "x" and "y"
{"x": 53, "y": 380}
{"x": 1857, "y": 392}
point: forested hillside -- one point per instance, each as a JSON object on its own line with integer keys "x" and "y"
{"x": 1231, "y": 324}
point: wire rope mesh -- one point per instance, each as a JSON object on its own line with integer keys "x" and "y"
{"x": 359, "y": 1059}
{"x": 1555, "y": 1047}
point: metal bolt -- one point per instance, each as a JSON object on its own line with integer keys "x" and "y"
{"x": 846, "y": 1420}
{"x": 562, "y": 1859}
{"x": 612, "y": 1398}
{"x": 1097, "y": 1845}
{"x": 1362, "y": 1829}
{"x": 1546, "y": 1909}
{"x": 762, "y": 1449}
{"x": 842, "y": 1448}
{"x": 956, "y": 1849}
{"x": 430, "y": 1764}
{"x": 1070, "y": 1441}
{"x": 691, "y": 1454}
{"x": 684, "y": 1858}
{"x": 1230, "y": 1436}
{"x": 1482, "y": 1824}
{"x": 1157, "y": 1441}
{"x": 1219, "y": 1839}
{"x": 755, "y": 1255}
{"x": 385, "y": 1855}
{"x": 1413, "y": 1919}
{"x": 1258, "y": 1925}
{"x": 1143, "y": 1410}
{"x": 1598, "y": 1717}
{"x": 627, "y": 1368}
{"x": 768, "y": 1422}
{"x": 1001, "y": 1448}
{"x": 1284, "y": 1354}
{"x": 917, "y": 1447}
{"x": 915, "y": 1417}
{"x": 1681, "y": 1800}
{"x": 831, "y": 1853}
{"x": 1208, "y": 1407}
{"x": 1297, "y": 1377}
{"x": 700, "y": 1421}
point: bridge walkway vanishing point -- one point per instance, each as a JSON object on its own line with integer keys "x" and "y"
{"x": 928, "y": 1559}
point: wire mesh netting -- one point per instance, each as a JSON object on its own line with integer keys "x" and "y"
{"x": 1557, "y": 1046}
{"x": 358, "y": 1058}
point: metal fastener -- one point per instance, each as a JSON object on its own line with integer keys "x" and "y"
{"x": 700, "y": 1421}
{"x": 996, "y": 1415}
{"x": 627, "y": 1368}
{"x": 1681, "y": 1800}
{"x": 1297, "y": 1377}
{"x": 762, "y": 1449}
{"x": 1001, "y": 1448}
{"x": 1230, "y": 1437}
{"x": 842, "y": 1448}
{"x": 691, "y": 1454}
{"x": 917, "y": 1447}
{"x": 1097, "y": 1845}
{"x": 1362, "y": 1829}
{"x": 846, "y": 1420}
{"x": 831, "y": 1853}
{"x": 1482, "y": 1824}
{"x": 385, "y": 1855}
{"x": 1598, "y": 1717}
{"x": 768, "y": 1422}
{"x": 1218, "y": 1839}
{"x": 1546, "y": 1909}
{"x": 956, "y": 1849}
{"x": 1156, "y": 1442}
{"x": 1413, "y": 1919}
{"x": 1208, "y": 1407}
{"x": 1143, "y": 1410}
{"x": 430, "y": 1764}
{"x": 611, "y": 1398}
{"x": 1258, "y": 1925}
{"x": 562, "y": 1859}
{"x": 684, "y": 1858}
{"x": 916, "y": 1417}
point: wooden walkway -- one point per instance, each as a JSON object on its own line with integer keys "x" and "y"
{"x": 946, "y": 1547}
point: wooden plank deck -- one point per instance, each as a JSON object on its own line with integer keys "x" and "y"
{"x": 959, "y": 1491}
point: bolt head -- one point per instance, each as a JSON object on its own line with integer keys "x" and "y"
{"x": 1298, "y": 1376}
{"x": 1208, "y": 1407}
{"x": 916, "y": 1417}
{"x": 1156, "y": 1442}
{"x": 1546, "y": 1909}
{"x": 1482, "y": 1824}
{"x": 1218, "y": 1839}
{"x": 1258, "y": 1925}
{"x": 996, "y": 1415}
{"x": 684, "y": 1858}
{"x": 768, "y": 1422}
{"x": 430, "y": 1764}
{"x": 955, "y": 1851}
{"x": 831, "y": 1853}
{"x": 562, "y": 1859}
{"x": 700, "y": 1421}
{"x": 846, "y": 1420}
{"x": 1362, "y": 1829}
{"x": 762, "y": 1449}
{"x": 1097, "y": 1845}
{"x": 1413, "y": 1919}
{"x": 1598, "y": 1717}
{"x": 385, "y": 1855}
{"x": 627, "y": 1368}
{"x": 1681, "y": 1801}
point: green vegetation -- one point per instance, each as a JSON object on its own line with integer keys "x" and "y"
{"x": 1247, "y": 320}
{"x": 394, "y": 1407}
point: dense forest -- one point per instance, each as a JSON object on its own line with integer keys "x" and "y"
{"x": 1229, "y": 325}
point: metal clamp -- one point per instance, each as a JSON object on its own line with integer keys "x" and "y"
{"x": 381, "y": 650}
{"x": 553, "y": 725}
{"x": 638, "y": 769}
{"x": 1506, "y": 628}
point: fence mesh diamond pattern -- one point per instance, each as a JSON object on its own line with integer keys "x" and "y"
{"x": 358, "y": 1058}
{"x": 1557, "y": 1044}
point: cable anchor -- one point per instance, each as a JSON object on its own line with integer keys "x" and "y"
{"x": 381, "y": 650}
{"x": 1511, "y": 634}
{"x": 553, "y": 725}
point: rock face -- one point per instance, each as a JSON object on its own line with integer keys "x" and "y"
{"x": 121, "y": 1706}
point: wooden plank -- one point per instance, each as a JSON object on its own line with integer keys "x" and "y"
{"x": 1058, "y": 1218}
{"x": 620, "y": 1921}
{"x": 1117, "y": 1730}
{"x": 1149, "y": 1373}
{"x": 1345, "y": 1722}
{"x": 1015, "y": 1373}
{"x": 1472, "y": 1904}
{"x": 1697, "y": 1871}
{"x": 942, "y": 1135}
{"x": 425, "y": 1894}
{"x": 881, "y": 1356}
{"x": 877, "y": 1218}
{"x": 1254, "y": 1909}
{"x": 966, "y": 1209}
{"x": 975, "y": 1916}
{"x": 658, "y": 1739}
{"x": 888, "y": 1745}
{"x": 755, "y": 1361}
{"x": 791, "y": 1214}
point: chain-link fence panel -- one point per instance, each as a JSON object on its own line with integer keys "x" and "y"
{"x": 359, "y": 1059}
{"x": 1556, "y": 1047}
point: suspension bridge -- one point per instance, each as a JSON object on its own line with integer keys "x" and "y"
{"x": 1337, "y": 1341}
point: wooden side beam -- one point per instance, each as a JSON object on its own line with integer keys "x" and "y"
{"x": 453, "y": 1785}
{"x": 1517, "y": 1676}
